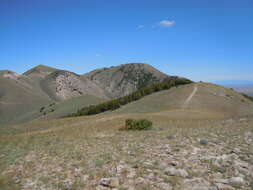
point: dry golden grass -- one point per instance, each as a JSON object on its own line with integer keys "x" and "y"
{"x": 62, "y": 153}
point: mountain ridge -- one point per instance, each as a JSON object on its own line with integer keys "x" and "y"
{"x": 42, "y": 90}
{"x": 43, "y": 85}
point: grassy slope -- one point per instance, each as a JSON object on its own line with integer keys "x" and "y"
{"x": 39, "y": 77}
{"x": 50, "y": 152}
{"x": 209, "y": 99}
{"x": 161, "y": 101}
{"x": 18, "y": 100}
{"x": 72, "y": 105}
{"x": 221, "y": 100}
{"x": 20, "y": 104}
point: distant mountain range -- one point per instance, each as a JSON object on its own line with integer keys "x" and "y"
{"x": 242, "y": 86}
{"x": 234, "y": 82}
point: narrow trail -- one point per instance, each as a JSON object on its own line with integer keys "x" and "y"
{"x": 4, "y": 102}
{"x": 188, "y": 100}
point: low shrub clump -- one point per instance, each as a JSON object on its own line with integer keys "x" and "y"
{"x": 142, "y": 124}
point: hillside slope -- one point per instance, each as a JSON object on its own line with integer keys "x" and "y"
{"x": 200, "y": 97}
{"x": 93, "y": 152}
{"x": 107, "y": 82}
{"x": 69, "y": 106}
{"x": 38, "y": 74}
{"x": 63, "y": 85}
{"x": 124, "y": 79}
{"x": 21, "y": 96}
{"x": 18, "y": 98}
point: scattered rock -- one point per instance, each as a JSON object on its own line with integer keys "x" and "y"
{"x": 120, "y": 168}
{"x": 222, "y": 186}
{"x": 17, "y": 180}
{"x": 243, "y": 120}
{"x": 176, "y": 172}
{"x": 229, "y": 121}
{"x": 140, "y": 180}
{"x": 109, "y": 182}
{"x": 85, "y": 177}
{"x": 105, "y": 181}
{"x": 223, "y": 181}
{"x": 203, "y": 142}
{"x": 213, "y": 188}
{"x": 164, "y": 186}
{"x": 131, "y": 173}
{"x": 224, "y": 165}
{"x": 114, "y": 182}
{"x": 237, "y": 180}
{"x": 100, "y": 187}
{"x": 196, "y": 184}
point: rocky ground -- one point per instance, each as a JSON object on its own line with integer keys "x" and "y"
{"x": 169, "y": 157}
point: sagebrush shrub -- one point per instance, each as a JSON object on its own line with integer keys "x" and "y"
{"x": 142, "y": 124}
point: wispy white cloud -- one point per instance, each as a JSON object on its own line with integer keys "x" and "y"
{"x": 166, "y": 23}
{"x": 97, "y": 54}
{"x": 162, "y": 23}
{"x": 140, "y": 26}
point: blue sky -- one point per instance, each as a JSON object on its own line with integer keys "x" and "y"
{"x": 200, "y": 39}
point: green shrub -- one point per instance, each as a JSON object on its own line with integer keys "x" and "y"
{"x": 42, "y": 108}
{"x": 142, "y": 124}
{"x": 52, "y": 104}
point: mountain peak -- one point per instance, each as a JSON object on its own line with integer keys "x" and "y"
{"x": 41, "y": 70}
{"x": 123, "y": 79}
